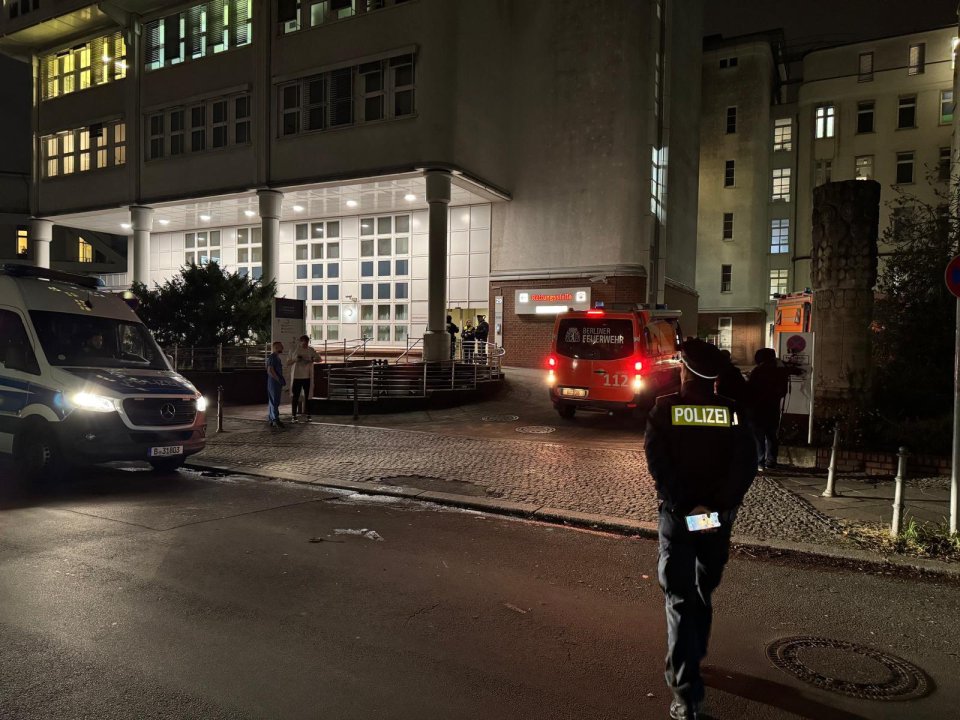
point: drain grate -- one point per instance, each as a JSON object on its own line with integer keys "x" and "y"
{"x": 849, "y": 669}
{"x": 536, "y": 429}
{"x": 500, "y": 418}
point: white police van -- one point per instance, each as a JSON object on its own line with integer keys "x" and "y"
{"x": 83, "y": 381}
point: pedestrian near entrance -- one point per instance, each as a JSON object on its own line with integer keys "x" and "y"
{"x": 768, "y": 385}
{"x": 702, "y": 461}
{"x": 452, "y": 329}
{"x": 467, "y": 338}
{"x": 275, "y": 384}
{"x": 483, "y": 332}
{"x": 302, "y": 359}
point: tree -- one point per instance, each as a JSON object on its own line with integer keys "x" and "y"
{"x": 205, "y": 306}
{"x": 914, "y": 320}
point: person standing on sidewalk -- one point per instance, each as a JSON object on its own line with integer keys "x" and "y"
{"x": 452, "y": 329}
{"x": 703, "y": 461}
{"x": 768, "y": 385}
{"x": 275, "y": 384}
{"x": 302, "y": 359}
{"x": 483, "y": 332}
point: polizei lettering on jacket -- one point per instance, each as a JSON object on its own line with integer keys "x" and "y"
{"x": 701, "y": 415}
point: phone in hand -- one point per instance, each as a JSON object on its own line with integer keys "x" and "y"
{"x": 703, "y": 521}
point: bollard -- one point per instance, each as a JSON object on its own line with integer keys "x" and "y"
{"x": 356, "y": 401}
{"x": 898, "y": 494}
{"x": 219, "y": 408}
{"x": 831, "y": 473}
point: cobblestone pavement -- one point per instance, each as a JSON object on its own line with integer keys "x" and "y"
{"x": 594, "y": 480}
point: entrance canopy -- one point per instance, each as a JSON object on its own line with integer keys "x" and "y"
{"x": 381, "y": 194}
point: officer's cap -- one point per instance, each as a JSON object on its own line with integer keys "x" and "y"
{"x": 702, "y": 358}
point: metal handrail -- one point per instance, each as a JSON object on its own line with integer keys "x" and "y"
{"x": 363, "y": 344}
{"x": 381, "y": 379}
{"x": 407, "y": 351}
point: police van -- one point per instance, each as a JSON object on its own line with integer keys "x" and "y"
{"x": 614, "y": 360}
{"x": 83, "y": 381}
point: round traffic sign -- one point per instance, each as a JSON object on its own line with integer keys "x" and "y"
{"x": 952, "y": 276}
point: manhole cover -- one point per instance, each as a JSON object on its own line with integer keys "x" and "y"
{"x": 536, "y": 429}
{"x": 848, "y": 668}
{"x": 500, "y": 418}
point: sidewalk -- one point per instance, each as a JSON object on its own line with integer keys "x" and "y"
{"x": 590, "y": 470}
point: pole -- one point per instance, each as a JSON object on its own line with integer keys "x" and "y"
{"x": 831, "y": 473}
{"x": 955, "y": 460}
{"x": 898, "y": 494}
{"x": 356, "y": 401}
{"x": 220, "y": 408}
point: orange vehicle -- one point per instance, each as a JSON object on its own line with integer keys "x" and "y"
{"x": 794, "y": 314}
{"x": 613, "y": 361}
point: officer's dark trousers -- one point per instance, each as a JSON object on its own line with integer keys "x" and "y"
{"x": 691, "y": 565}
{"x": 766, "y": 425}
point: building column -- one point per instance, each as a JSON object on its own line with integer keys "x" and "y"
{"x": 41, "y": 235}
{"x": 270, "y": 201}
{"x": 141, "y": 219}
{"x": 436, "y": 340}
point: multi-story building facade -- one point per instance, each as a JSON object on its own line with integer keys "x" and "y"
{"x": 387, "y": 161}
{"x": 746, "y": 211}
{"x": 881, "y": 109}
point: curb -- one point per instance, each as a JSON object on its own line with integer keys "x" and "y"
{"x": 861, "y": 559}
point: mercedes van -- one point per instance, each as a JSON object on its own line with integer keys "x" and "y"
{"x": 83, "y": 381}
{"x": 613, "y": 361}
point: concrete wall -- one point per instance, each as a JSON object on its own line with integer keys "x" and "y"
{"x": 15, "y": 158}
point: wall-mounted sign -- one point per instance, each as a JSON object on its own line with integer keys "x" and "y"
{"x": 551, "y": 301}
{"x": 289, "y": 321}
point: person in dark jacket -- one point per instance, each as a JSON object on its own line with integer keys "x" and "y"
{"x": 767, "y": 387}
{"x": 467, "y": 338}
{"x": 702, "y": 459}
{"x": 452, "y": 329}
{"x": 483, "y": 332}
{"x": 731, "y": 383}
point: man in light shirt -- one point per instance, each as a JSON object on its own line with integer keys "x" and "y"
{"x": 302, "y": 359}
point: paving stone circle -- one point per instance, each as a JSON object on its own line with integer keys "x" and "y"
{"x": 902, "y": 680}
{"x": 536, "y": 429}
{"x": 500, "y": 418}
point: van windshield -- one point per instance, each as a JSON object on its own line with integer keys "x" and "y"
{"x": 595, "y": 338}
{"x": 75, "y": 340}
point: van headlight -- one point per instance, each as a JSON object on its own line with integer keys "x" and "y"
{"x": 92, "y": 402}
{"x": 201, "y": 403}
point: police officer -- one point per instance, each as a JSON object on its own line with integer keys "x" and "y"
{"x": 703, "y": 461}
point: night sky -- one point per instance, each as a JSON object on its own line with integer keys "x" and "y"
{"x": 811, "y": 23}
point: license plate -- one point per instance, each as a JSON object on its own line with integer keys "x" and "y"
{"x": 165, "y": 451}
{"x": 573, "y": 392}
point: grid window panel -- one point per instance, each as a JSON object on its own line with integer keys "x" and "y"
{"x": 779, "y": 236}
{"x": 728, "y": 226}
{"x": 726, "y": 278}
{"x": 943, "y": 164}
{"x": 825, "y": 121}
{"x": 316, "y": 292}
{"x": 778, "y": 282}
{"x": 383, "y": 291}
{"x": 333, "y": 270}
{"x": 947, "y": 107}
{"x": 383, "y": 268}
{"x": 729, "y": 173}
{"x": 865, "y": 71}
{"x": 731, "y": 120}
{"x": 916, "y": 59}
{"x": 783, "y": 134}
{"x": 366, "y": 268}
{"x": 863, "y": 167}
{"x": 333, "y": 292}
{"x": 781, "y": 184}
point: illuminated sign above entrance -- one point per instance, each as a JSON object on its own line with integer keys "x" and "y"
{"x": 551, "y": 301}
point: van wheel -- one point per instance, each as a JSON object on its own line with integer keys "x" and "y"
{"x": 566, "y": 411}
{"x": 168, "y": 464}
{"x": 39, "y": 455}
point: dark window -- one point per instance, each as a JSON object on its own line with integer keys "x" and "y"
{"x": 726, "y": 278}
{"x": 383, "y": 291}
{"x": 865, "y": 117}
{"x": 729, "y": 173}
{"x": 198, "y": 134}
{"x": 366, "y": 291}
{"x": 333, "y": 292}
{"x": 316, "y": 292}
{"x": 366, "y": 268}
{"x": 401, "y": 291}
{"x": 907, "y": 112}
{"x": 943, "y": 167}
{"x": 905, "y": 167}
{"x": 731, "y": 120}
{"x": 383, "y": 267}
{"x": 16, "y": 352}
{"x": 728, "y": 226}
{"x": 595, "y": 338}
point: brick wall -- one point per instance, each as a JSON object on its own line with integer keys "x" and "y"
{"x": 749, "y": 332}
{"x": 883, "y": 463}
{"x": 527, "y": 338}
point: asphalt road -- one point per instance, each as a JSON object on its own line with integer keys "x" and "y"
{"x": 128, "y": 594}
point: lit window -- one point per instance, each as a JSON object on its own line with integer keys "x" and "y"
{"x": 84, "y": 251}
{"x": 907, "y": 112}
{"x": 95, "y": 62}
{"x": 779, "y": 236}
{"x": 726, "y": 278}
{"x": 783, "y": 134}
{"x": 946, "y": 107}
{"x": 866, "y": 67}
{"x": 917, "y": 59}
{"x": 23, "y": 241}
{"x": 863, "y": 167}
{"x": 781, "y": 184}
{"x": 778, "y": 282}
{"x": 904, "y": 167}
{"x": 824, "y": 121}
{"x": 197, "y": 32}
{"x": 71, "y": 151}
{"x": 725, "y": 333}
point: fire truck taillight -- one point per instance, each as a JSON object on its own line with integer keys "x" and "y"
{"x": 638, "y": 366}
{"x": 552, "y": 361}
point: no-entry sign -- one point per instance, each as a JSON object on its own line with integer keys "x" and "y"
{"x": 952, "y": 276}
